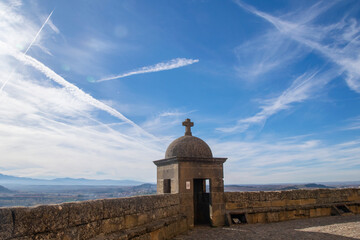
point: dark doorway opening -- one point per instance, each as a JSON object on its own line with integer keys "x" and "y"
{"x": 343, "y": 209}
{"x": 167, "y": 186}
{"x": 201, "y": 201}
{"x": 238, "y": 218}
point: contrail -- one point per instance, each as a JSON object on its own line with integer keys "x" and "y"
{"x": 30, "y": 45}
{"x": 37, "y": 34}
{"x": 174, "y": 63}
{"x": 71, "y": 88}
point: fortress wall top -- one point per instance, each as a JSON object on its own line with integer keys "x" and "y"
{"x": 88, "y": 219}
{"x": 292, "y": 204}
{"x": 292, "y": 197}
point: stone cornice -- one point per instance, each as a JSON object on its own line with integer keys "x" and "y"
{"x": 172, "y": 160}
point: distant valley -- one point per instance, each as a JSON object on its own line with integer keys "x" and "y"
{"x": 18, "y": 191}
{"x": 11, "y": 180}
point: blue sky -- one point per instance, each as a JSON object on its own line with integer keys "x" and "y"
{"x": 99, "y": 90}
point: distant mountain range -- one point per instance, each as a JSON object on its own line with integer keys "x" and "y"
{"x": 11, "y": 180}
{"x": 288, "y": 186}
{"x": 4, "y": 190}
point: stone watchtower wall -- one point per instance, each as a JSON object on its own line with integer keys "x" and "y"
{"x": 143, "y": 217}
{"x": 263, "y": 207}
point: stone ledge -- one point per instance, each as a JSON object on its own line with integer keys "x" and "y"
{"x": 318, "y": 194}
{"x": 86, "y": 218}
{"x": 279, "y": 214}
{"x": 288, "y": 208}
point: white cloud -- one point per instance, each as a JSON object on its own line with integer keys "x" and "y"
{"x": 165, "y": 122}
{"x": 282, "y": 161}
{"x": 38, "y": 33}
{"x": 71, "y": 88}
{"x": 46, "y": 132}
{"x": 163, "y": 66}
{"x": 299, "y": 27}
{"x": 354, "y": 124}
{"x": 265, "y": 54}
{"x": 300, "y": 90}
{"x": 343, "y": 36}
{"x": 49, "y": 127}
{"x": 28, "y": 48}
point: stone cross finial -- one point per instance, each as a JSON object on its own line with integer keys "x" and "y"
{"x": 188, "y": 124}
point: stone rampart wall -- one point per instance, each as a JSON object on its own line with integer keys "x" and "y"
{"x": 143, "y": 217}
{"x": 261, "y": 207}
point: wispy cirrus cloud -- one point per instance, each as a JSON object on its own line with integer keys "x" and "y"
{"x": 353, "y": 124}
{"x": 48, "y": 126}
{"x": 266, "y": 54}
{"x": 298, "y": 160}
{"x": 28, "y": 48}
{"x": 300, "y": 90}
{"x": 344, "y": 35}
{"x": 164, "y": 122}
{"x": 300, "y": 31}
{"x": 162, "y": 66}
{"x": 71, "y": 88}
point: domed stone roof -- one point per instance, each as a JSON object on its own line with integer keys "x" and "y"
{"x": 188, "y": 145}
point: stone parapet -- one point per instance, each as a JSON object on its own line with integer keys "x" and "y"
{"x": 151, "y": 216}
{"x": 261, "y": 207}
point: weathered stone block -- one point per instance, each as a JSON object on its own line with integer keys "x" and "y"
{"x": 232, "y": 206}
{"x": 51, "y": 236}
{"x": 217, "y": 197}
{"x": 325, "y": 211}
{"x": 260, "y": 217}
{"x": 251, "y": 218}
{"x": 283, "y": 216}
{"x": 290, "y": 215}
{"x": 318, "y": 212}
{"x": 353, "y": 198}
{"x": 115, "y": 207}
{"x": 157, "y": 235}
{"x": 253, "y": 196}
{"x": 300, "y": 213}
{"x": 293, "y": 202}
{"x": 257, "y": 204}
{"x": 183, "y": 227}
{"x": 39, "y": 219}
{"x": 278, "y": 203}
{"x": 143, "y": 218}
{"x": 313, "y": 213}
{"x": 170, "y": 230}
{"x": 272, "y": 196}
{"x": 85, "y": 212}
{"x": 6, "y": 223}
{"x": 112, "y": 225}
{"x": 272, "y": 216}
{"x": 131, "y": 221}
{"x": 85, "y": 231}
{"x": 307, "y": 201}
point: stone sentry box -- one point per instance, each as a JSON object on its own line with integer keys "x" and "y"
{"x": 190, "y": 170}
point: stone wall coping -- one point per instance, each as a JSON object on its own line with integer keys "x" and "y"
{"x": 172, "y": 160}
{"x": 294, "y": 190}
{"x": 289, "y": 208}
{"x": 86, "y": 217}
